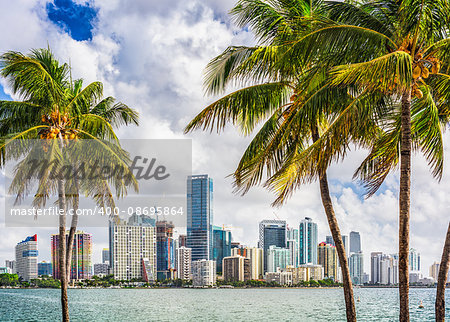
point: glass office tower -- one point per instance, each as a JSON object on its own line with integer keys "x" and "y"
{"x": 271, "y": 233}
{"x": 308, "y": 241}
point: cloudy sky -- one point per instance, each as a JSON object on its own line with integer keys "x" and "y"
{"x": 150, "y": 54}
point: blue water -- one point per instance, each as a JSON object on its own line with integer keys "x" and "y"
{"x": 379, "y": 304}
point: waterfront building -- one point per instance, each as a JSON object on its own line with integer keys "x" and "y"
{"x": 355, "y": 242}
{"x": 105, "y": 256}
{"x": 434, "y": 270}
{"x": 279, "y": 277}
{"x": 308, "y": 242}
{"x": 203, "y": 273}
{"x": 384, "y": 269}
{"x": 133, "y": 248}
{"x": 327, "y": 257}
{"x": 356, "y": 266}
{"x": 11, "y": 264}
{"x": 255, "y": 255}
{"x": 81, "y": 263}
{"x": 271, "y": 233}
{"x": 236, "y": 268}
{"x": 221, "y": 245}
{"x": 414, "y": 277}
{"x": 45, "y": 268}
{"x": 199, "y": 216}
{"x": 278, "y": 258}
{"x": 305, "y": 272}
{"x": 414, "y": 260}
{"x": 292, "y": 245}
{"x": 26, "y": 258}
{"x": 101, "y": 269}
{"x": 165, "y": 250}
{"x": 375, "y": 258}
{"x": 182, "y": 241}
{"x": 184, "y": 259}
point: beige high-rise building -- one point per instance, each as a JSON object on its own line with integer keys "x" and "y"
{"x": 434, "y": 270}
{"x": 305, "y": 272}
{"x": 255, "y": 255}
{"x": 133, "y": 248}
{"x": 184, "y": 259}
{"x": 236, "y": 268}
{"x": 327, "y": 257}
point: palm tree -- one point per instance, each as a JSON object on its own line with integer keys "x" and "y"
{"x": 442, "y": 279}
{"x": 56, "y": 111}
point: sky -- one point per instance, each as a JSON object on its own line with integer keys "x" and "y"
{"x": 150, "y": 54}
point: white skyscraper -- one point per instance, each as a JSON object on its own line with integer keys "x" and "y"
{"x": 414, "y": 260}
{"x": 278, "y": 258}
{"x": 133, "y": 248}
{"x": 356, "y": 265}
{"x": 203, "y": 272}
{"x": 26, "y": 258}
{"x": 184, "y": 259}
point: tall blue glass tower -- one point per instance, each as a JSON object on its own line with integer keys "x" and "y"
{"x": 307, "y": 241}
{"x": 221, "y": 245}
{"x": 199, "y": 216}
{"x": 271, "y": 233}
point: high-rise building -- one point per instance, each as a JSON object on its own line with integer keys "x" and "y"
{"x": 356, "y": 266}
{"x": 308, "y": 241}
{"x": 184, "y": 259}
{"x": 277, "y": 258}
{"x": 165, "y": 250}
{"x": 434, "y": 270}
{"x": 45, "y": 268}
{"x": 11, "y": 264}
{"x": 271, "y": 233}
{"x": 292, "y": 245}
{"x": 414, "y": 260}
{"x": 199, "y": 216}
{"x": 327, "y": 257}
{"x": 255, "y": 255}
{"x": 384, "y": 269}
{"x": 346, "y": 244}
{"x": 236, "y": 268}
{"x": 182, "y": 241}
{"x": 329, "y": 240}
{"x": 101, "y": 269}
{"x": 305, "y": 272}
{"x": 81, "y": 263}
{"x": 375, "y": 258}
{"x": 105, "y": 256}
{"x": 203, "y": 272}
{"x": 355, "y": 242}
{"x": 133, "y": 248}
{"x": 279, "y": 277}
{"x": 26, "y": 258}
{"x": 221, "y": 245}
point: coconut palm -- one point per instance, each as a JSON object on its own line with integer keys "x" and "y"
{"x": 442, "y": 279}
{"x": 57, "y": 112}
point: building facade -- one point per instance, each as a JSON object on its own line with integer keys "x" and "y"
{"x": 81, "y": 263}
{"x": 26, "y": 258}
{"x": 434, "y": 270}
{"x": 133, "y": 248}
{"x": 292, "y": 245}
{"x": 356, "y": 266}
{"x": 327, "y": 257}
{"x": 45, "y": 268}
{"x": 414, "y": 260}
{"x": 184, "y": 259}
{"x": 236, "y": 268}
{"x": 203, "y": 273}
{"x": 305, "y": 272}
{"x": 11, "y": 264}
{"x": 256, "y": 257}
{"x": 199, "y": 216}
{"x": 101, "y": 269}
{"x": 355, "y": 242}
{"x": 221, "y": 245}
{"x": 271, "y": 233}
{"x": 278, "y": 258}
{"x": 165, "y": 250}
{"x": 279, "y": 277}
{"x": 307, "y": 241}
{"x": 105, "y": 256}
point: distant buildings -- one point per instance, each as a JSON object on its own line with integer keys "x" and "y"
{"x": 203, "y": 273}
{"x": 355, "y": 242}
{"x": 199, "y": 216}
{"x": 305, "y": 272}
{"x": 26, "y": 258}
{"x": 414, "y": 260}
{"x": 279, "y": 277}
{"x": 221, "y": 245}
{"x": 384, "y": 269}
{"x": 182, "y": 241}
{"x": 101, "y": 269}
{"x": 327, "y": 257}
{"x": 105, "y": 256}
{"x": 133, "y": 248}
{"x": 11, "y": 264}
{"x": 434, "y": 270}
{"x": 81, "y": 263}
{"x": 271, "y": 233}
{"x": 45, "y": 268}
{"x": 165, "y": 250}
{"x": 292, "y": 245}
{"x": 255, "y": 255}
{"x": 236, "y": 268}
{"x": 356, "y": 267}
{"x": 277, "y": 258}
{"x": 184, "y": 259}
{"x": 308, "y": 241}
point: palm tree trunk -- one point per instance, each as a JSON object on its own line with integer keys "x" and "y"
{"x": 442, "y": 279}
{"x": 62, "y": 251}
{"x": 404, "y": 206}
{"x": 337, "y": 237}
{"x": 73, "y": 229}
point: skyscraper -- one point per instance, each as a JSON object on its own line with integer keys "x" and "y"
{"x": 203, "y": 272}
{"x": 277, "y": 258}
{"x": 308, "y": 241}
{"x": 345, "y": 241}
{"x": 271, "y": 233}
{"x": 356, "y": 266}
{"x": 236, "y": 268}
{"x": 329, "y": 240}
{"x": 375, "y": 258}
{"x": 434, "y": 270}
{"x": 184, "y": 259}
{"x": 355, "y": 242}
{"x": 384, "y": 268}
{"x": 221, "y": 245}
{"x": 199, "y": 216}
{"x": 45, "y": 268}
{"x": 105, "y": 256}
{"x": 165, "y": 250}
{"x": 292, "y": 245}
{"x": 182, "y": 240}
{"x": 26, "y": 258}
{"x": 414, "y": 260}
{"x": 133, "y": 248}
{"x": 256, "y": 257}
{"x": 81, "y": 263}
{"x": 327, "y": 257}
